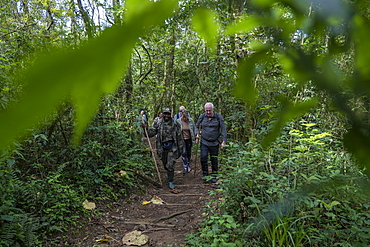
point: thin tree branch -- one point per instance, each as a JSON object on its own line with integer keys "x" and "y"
{"x": 51, "y": 18}
{"x": 141, "y": 78}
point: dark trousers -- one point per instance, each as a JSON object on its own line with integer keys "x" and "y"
{"x": 168, "y": 160}
{"x": 213, "y": 152}
{"x": 186, "y": 152}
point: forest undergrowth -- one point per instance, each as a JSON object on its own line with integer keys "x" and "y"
{"x": 302, "y": 190}
{"x": 45, "y": 183}
{"x": 301, "y": 60}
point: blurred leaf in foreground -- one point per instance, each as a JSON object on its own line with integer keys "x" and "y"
{"x": 85, "y": 74}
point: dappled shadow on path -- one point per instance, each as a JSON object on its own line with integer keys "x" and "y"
{"x": 158, "y": 217}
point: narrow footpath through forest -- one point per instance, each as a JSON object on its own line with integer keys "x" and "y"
{"x": 159, "y": 217}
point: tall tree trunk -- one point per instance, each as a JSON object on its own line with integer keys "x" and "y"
{"x": 50, "y": 13}
{"x": 116, "y": 14}
{"x": 169, "y": 73}
{"x": 219, "y": 78}
{"x": 87, "y": 20}
{"x": 25, "y": 8}
{"x": 128, "y": 84}
{"x": 236, "y": 9}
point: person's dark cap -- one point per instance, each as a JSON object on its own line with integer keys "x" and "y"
{"x": 167, "y": 110}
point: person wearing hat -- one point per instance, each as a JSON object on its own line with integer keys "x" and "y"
{"x": 179, "y": 114}
{"x": 169, "y": 143}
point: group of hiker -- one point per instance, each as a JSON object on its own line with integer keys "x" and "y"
{"x": 176, "y": 136}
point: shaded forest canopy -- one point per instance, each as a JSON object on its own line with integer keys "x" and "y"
{"x": 289, "y": 77}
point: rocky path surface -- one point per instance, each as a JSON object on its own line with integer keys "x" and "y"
{"x": 159, "y": 217}
{"x": 165, "y": 224}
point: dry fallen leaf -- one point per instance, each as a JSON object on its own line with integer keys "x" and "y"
{"x": 89, "y": 205}
{"x": 105, "y": 239}
{"x": 157, "y": 200}
{"x": 145, "y": 202}
{"x": 135, "y": 238}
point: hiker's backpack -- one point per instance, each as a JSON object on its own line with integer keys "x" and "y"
{"x": 217, "y": 116}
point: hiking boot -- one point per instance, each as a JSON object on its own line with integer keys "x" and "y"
{"x": 185, "y": 170}
{"x": 171, "y": 185}
{"x": 214, "y": 177}
{"x": 205, "y": 174}
{"x": 170, "y": 175}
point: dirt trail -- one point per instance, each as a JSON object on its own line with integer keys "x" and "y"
{"x": 163, "y": 224}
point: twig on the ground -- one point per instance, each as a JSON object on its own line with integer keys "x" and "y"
{"x": 147, "y": 223}
{"x": 141, "y": 222}
{"x": 181, "y": 195}
{"x": 171, "y": 216}
{"x": 148, "y": 178}
{"x": 176, "y": 204}
{"x": 155, "y": 229}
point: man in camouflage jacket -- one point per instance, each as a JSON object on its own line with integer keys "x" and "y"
{"x": 169, "y": 143}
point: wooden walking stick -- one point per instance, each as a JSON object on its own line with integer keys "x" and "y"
{"x": 196, "y": 151}
{"x": 153, "y": 155}
{"x": 196, "y": 159}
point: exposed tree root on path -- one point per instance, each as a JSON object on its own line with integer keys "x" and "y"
{"x": 162, "y": 224}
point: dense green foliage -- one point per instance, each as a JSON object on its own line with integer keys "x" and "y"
{"x": 45, "y": 182}
{"x": 302, "y": 191}
{"x": 290, "y": 77}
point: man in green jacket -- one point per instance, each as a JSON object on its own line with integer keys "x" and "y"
{"x": 169, "y": 143}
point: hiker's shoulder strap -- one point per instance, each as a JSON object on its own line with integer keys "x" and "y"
{"x": 217, "y": 116}
{"x": 203, "y": 115}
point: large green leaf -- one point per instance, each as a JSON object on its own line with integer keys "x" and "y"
{"x": 247, "y": 69}
{"x": 205, "y": 23}
{"x": 361, "y": 35}
{"x": 245, "y": 26}
{"x": 85, "y": 74}
{"x": 357, "y": 142}
{"x": 290, "y": 111}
